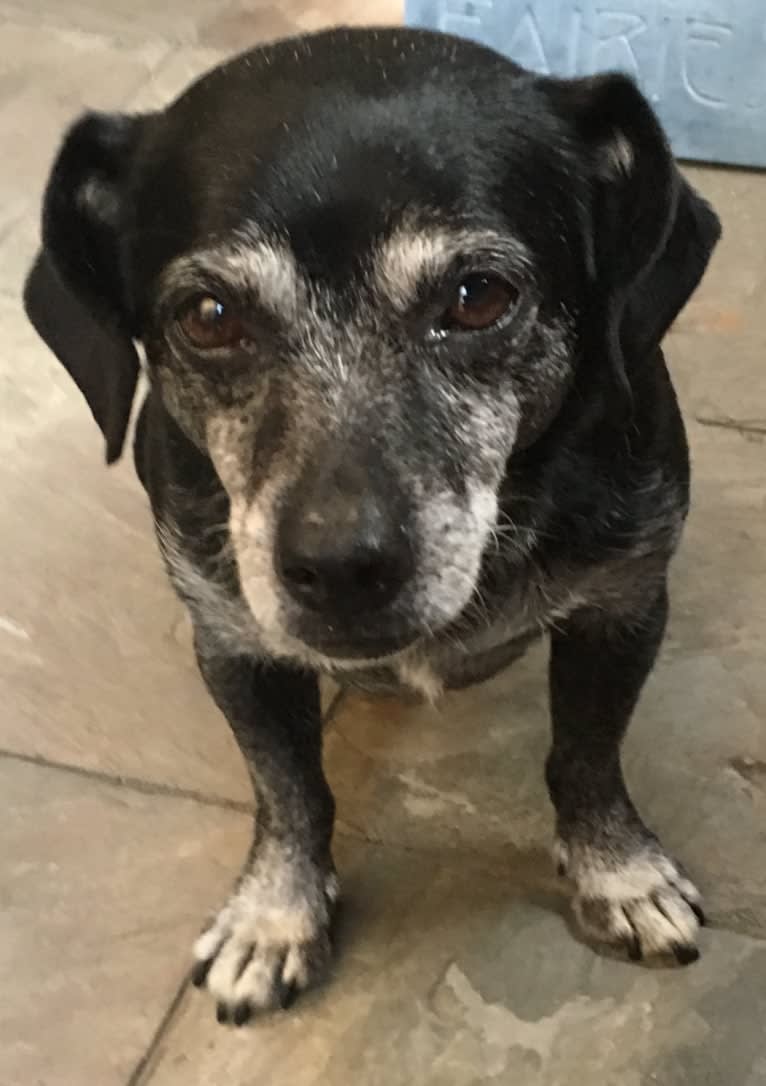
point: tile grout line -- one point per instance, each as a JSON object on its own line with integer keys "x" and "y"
{"x": 142, "y": 1073}
{"x": 146, "y": 787}
{"x": 346, "y": 828}
{"x": 150, "y": 787}
{"x": 137, "y": 1075}
{"x": 135, "y": 784}
{"x": 328, "y": 717}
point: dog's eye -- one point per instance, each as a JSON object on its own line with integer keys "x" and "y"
{"x": 207, "y": 323}
{"x": 480, "y": 301}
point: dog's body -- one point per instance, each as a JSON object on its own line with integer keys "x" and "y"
{"x": 402, "y": 305}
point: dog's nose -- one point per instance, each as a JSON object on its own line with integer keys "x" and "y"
{"x": 344, "y": 558}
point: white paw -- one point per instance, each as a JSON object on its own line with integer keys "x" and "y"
{"x": 269, "y": 941}
{"x": 642, "y": 901}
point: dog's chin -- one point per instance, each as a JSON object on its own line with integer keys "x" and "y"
{"x": 379, "y": 640}
{"x": 355, "y": 649}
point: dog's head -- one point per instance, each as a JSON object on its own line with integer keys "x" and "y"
{"x": 366, "y": 267}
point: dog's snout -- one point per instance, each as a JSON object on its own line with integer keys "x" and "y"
{"x": 361, "y": 565}
{"x": 343, "y": 552}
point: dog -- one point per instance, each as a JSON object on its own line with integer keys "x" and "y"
{"x": 401, "y": 305}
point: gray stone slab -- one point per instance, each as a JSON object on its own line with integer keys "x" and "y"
{"x": 48, "y": 77}
{"x": 699, "y": 61}
{"x": 103, "y": 892}
{"x": 451, "y": 974}
{"x": 96, "y": 667}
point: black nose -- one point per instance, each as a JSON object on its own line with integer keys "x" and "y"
{"x": 344, "y": 557}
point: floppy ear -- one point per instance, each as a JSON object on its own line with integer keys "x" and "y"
{"x": 652, "y": 233}
{"x": 76, "y": 295}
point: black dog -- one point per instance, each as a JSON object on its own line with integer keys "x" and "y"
{"x": 402, "y": 305}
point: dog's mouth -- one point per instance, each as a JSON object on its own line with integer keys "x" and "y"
{"x": 343, "y": 648}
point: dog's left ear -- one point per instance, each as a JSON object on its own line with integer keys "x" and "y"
{"x": 652, "y": 233}
{"x": 76, "y": 294}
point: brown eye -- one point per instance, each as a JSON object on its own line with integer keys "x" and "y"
{"x": 207, "y": 323}
{"x": 480, "y": 301}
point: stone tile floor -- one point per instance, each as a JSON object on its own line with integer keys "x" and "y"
{"x": 125, "y": 805}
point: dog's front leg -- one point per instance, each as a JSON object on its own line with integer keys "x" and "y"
{"x": 628, "y": 890}
{"x": 271, "y": 938}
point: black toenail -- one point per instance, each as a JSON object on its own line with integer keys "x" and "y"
{"x": 200, "y": 971}
{"x": 286, "y": 995}
{"x": 685, "y": 955}
{"x": 634, "y": 949}
{"x": 698, "y": 912}
{"x": 242, "y": 1013}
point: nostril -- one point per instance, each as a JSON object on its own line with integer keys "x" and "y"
{"x": 371, "y": 577}
{"x": 302, "y": 576}
{"x": 341, "y": 577}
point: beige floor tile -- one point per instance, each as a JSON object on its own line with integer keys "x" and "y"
{"x": 124, "y": 22}
{"x": 235, "y": 24}
{"x": 103, "y": 890}
{"x": 240, "y": 24}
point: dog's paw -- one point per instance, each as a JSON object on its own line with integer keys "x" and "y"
{"x": 270, "y": 941}
{"x": 643, "y": 902}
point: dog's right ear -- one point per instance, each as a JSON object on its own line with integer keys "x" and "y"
{"x": 76, "y": 294}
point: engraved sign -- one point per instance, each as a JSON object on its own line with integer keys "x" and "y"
{"x": 702, "y": 63}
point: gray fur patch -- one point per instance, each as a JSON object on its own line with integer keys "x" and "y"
{"x": 415, "y": 254}
{"x": 251, "y": 266}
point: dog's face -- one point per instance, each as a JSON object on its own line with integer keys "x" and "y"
{"x": 360, "y": 421}
{"x": 365, "y": 267}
